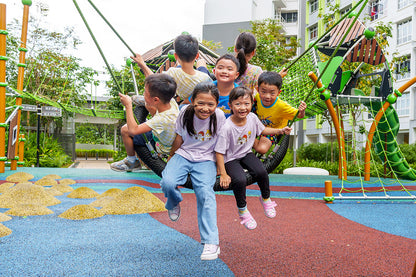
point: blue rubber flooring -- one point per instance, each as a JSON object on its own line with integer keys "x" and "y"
{"x": 138, "y": 245}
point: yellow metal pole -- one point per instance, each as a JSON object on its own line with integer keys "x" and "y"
{"x": 3, "y": 59}
{"x": 21, "y": 70}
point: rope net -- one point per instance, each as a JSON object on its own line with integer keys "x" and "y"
{"x": 388, "y": 164}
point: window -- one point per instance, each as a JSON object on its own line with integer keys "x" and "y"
{"x": 404, "y": 31}
{"x": 314, "y": 5}
{"x": 403, "y": 3}
{"x": 376, "y": 9}
{"x": 403, "y": 104}
{"x": 403, "y": 69}
{"x": 313, "y": 33}
{"x": 345, "y": 10}
{"x": 290, "y": 17}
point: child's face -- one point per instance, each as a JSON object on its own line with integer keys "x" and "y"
{"x": 204, "y": 105}
{"x": 225, "y": 71}
{"x": 268, "y": 94}
{"x": 241, "y": 106}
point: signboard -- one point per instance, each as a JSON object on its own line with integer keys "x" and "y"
{"x": 50, "y": 111}
{"x": 29, "y": 108}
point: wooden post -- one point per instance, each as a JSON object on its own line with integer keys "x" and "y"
{"x": 328, "y": 192}
{"x": 3, "y": 34}
{"x": 21, "y": 65}
{"x": 22, "y": 140}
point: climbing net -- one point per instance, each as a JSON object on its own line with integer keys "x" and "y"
{"x": 387, "y": 164}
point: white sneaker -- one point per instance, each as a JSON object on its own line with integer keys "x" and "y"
{"x": 210, "y": 252}
{"x": 124, "y": 165}
{"x": 175, "y": 213}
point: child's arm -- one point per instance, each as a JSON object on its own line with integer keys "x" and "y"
{"x": 225, "y": 180}
{"x": 175, "y": 146}
{"x": 274, "y": 131}
{"x": 143, "y": 66}
{"x": 302, "y": 108}
{"x": 132, "y": 126}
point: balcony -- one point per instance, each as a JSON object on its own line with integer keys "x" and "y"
{"x": 279, "y": 4}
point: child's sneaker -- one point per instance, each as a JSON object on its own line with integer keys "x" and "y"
{"x": 210, "y": 252}
{"x": 125, "y": 166}
{"x": 175, "y": 213}
{"x": 269, "y": 207}
{"x": 248, "y": 220}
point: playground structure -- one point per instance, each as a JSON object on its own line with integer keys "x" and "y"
{"x": 318, "y": 77}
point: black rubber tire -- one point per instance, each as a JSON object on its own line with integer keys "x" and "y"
{"x": 157, "y": 164}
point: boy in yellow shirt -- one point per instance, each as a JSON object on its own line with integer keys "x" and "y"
{"x": 272, "y": 111}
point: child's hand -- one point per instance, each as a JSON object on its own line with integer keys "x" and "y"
{"x": 302, "y": 108}
{"x": 138, "y": 59}
{"x": 286, "y": 130}
{"x": 283, "y": 72}
{"x": 225, "y": 181}
{"x": 125, "y": 100}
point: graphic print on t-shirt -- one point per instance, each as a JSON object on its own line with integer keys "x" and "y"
{"x": 243, "y": 139}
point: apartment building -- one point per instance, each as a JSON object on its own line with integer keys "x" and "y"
{"x": 400, "y": 13}
{"x": 224, "y": 20}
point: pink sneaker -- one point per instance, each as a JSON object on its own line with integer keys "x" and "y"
{"x": 269, "y": 208}
{"x": 248, "y": 221}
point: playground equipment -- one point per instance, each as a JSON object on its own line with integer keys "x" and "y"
{"x": 13, "y": 121}
{"x": 327, "y": 77}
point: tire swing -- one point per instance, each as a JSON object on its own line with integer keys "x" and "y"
{"x": 156, "y": 164}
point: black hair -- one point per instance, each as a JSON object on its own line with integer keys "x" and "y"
{"x": 229, "y": 57}
{"x": 240, "y": 91}
{"x": 188, "y": 116}
{"x": 245, "y": 44}
{"x": 161, "y": 85}
{"x": 270, "y": 78}
{"x": 186, "y": 47}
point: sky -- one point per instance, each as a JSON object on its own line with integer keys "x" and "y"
{"x": 143, "y": 24}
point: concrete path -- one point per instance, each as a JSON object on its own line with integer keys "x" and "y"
{"x": 93, "y": 163}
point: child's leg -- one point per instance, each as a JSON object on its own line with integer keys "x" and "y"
{"x": 203, "y": 176}
{"x": 257, "y": 170}
{"x": 174, "y": 174}
{"x": 238, "y": 181}
{"x": 262, "y": 145}
{"x": 127, "y": 140}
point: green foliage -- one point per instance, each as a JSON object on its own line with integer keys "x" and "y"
{"x": 409, "y": 151}
{"x": 286, "y": 163}
{"x": 273, "y": 48}
{"x": 94, "y": 133}
{"x": 51, "y": 152}
{"x": 102, "y": 153}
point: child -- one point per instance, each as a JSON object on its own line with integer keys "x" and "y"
{"x": 158, "y": 94}
{"x": 272, "y": 111}
{"x": 186, "y": 77}
{"x": 193, "y": 154}
{"x": 233, "y": 152}
{"x": 245, "y": 48}
{"x": 226, "y": 71}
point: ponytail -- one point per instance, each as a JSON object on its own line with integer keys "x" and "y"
{"x": 188, "y": 119}
{"x": 241, "y": 56}
{"x": 245, "y": 44}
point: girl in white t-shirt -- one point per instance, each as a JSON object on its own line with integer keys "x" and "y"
{"x": 234, "y": 154}
{"x": 192, "y": 154}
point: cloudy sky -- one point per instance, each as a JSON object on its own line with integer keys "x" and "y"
{"x": 143, "y": 24}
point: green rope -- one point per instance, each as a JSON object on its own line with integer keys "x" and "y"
{"x": 98, "y": 46}
{"x": 108, "y": 23}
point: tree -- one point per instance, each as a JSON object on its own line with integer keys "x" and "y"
{"x": 273, "y": 48}
{"x": 51, "y": 71}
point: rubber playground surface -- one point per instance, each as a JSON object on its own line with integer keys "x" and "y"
{"x": 307, "y": 238}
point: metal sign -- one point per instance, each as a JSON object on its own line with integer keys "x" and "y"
{"x": 50, "y": 111}
{"x": 29, "y": 108}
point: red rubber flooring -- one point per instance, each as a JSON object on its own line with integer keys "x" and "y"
{"x": 305, "y": 239}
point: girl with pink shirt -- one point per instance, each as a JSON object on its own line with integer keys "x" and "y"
{"x": 234, "y": 154}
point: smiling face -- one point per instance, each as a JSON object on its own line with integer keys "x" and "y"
{"x": 204, "y": 105}
{"x": 241, "y": 107}
{"x": 225, "y": 71}
{"x": 268, "y": 94}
